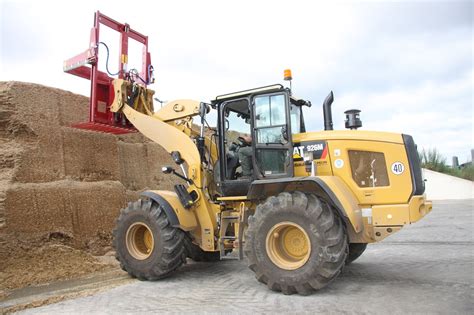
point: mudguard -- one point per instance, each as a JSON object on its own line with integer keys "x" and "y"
{"x": 177, "y": 215}
{"x": 331, "y": 188}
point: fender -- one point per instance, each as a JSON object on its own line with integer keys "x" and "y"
{"x": 177, "y": 215}
{"x": 331, "y": 188}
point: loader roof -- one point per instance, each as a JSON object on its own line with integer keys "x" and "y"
{"x": 245, "y": 93}
{"x": 264, "y": 89}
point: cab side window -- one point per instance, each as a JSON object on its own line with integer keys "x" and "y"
{"x": 272, "y": 139}
{"x": 270, "y": 117}
{"x": 237, "y": 126}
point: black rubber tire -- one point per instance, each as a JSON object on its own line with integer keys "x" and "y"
{"x": 194, "y": 252}
{"x": 326, "y": 231}
{"x": 168, "y": 252}
{"x": 355, "y": 250}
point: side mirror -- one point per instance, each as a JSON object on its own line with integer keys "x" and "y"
{"x": 167, "y": 169}
{"x": 204, "y": 109}
{"x": 303, "y": 103}
{"x": 177, "y": 157}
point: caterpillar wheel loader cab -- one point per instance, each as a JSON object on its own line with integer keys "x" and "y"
{"x": 299, "y": 205}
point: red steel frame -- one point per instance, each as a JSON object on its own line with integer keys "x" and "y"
{"x": 102, "y": 92}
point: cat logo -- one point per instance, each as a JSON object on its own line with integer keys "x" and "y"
{"x": 298, "y": 151}
{"x": 317, "y": 148}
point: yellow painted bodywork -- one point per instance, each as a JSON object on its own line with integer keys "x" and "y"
{"x": 393, "y": 152}
{"x": 401, "y": 214}
{"x": 389, "y": 219}
{"x": 178, "y": 109}
{"x": 390, "y": 206}
{"x": 380, "y": 221}
{"x": 379, "y": 233}
{"x": 361, "y": 135}
{"x": 232, "y": 198}
{"x": 390, "y": 144}
{"x": 206, "y": 213}
{"x": 187, "y": 218}
{"x": 347, "y": 200}
{"x": 199, "y": 219}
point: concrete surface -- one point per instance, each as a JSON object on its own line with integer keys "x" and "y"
{"x": 29, "y": 297}
{"x": 440, "y": 186}
{"x": 425, "y": 268}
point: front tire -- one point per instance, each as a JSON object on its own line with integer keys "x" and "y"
{"x": 295, "y": 242}
{"x": 146, "y": 245}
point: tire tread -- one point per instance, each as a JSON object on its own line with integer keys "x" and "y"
{"x": 330, "y": 231}
{"x": 173, "y": 255}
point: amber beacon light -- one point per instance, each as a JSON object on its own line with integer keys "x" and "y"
{"x": 287, "y": 76}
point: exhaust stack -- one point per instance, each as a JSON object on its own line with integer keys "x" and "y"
{"x": 327, "y": 111}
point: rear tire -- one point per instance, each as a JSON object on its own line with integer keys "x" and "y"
{"x": 295, "y": 243}
{"x": 355, "y": 250}
{"x": 146, "y": 245}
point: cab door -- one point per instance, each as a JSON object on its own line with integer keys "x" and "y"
{"x": 271, "y": 135}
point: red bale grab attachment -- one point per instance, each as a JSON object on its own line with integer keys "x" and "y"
{"x": 86, "y": 65}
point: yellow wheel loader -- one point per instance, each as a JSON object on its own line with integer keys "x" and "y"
{"x": 298, "y": 204}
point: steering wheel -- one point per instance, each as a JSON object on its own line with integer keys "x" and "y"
{"x": 235, "y": 146}
{"x": 242, "y": 142}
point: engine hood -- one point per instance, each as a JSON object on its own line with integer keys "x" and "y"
{"x": 362, "y": 135}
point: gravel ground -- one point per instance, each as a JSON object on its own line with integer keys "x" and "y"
{"x": 425, "y": 268}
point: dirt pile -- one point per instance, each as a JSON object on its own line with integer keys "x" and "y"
{"x": 27, "y": 262}
{"x": 57, "y": 179}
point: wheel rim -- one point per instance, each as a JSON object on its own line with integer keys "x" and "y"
{"x": 139, "y": 240}
{"x": 288, "y": 245}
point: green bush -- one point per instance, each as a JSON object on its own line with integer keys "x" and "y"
{"x": 433, "y": 160}
{"x": 468, "y": 172}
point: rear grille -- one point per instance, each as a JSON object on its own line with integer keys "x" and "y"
{"x": 415, "y": 167}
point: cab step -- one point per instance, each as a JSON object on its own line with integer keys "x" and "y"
{"x": 227, "y": 218}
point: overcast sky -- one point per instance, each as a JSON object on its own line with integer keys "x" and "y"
{"x": 406, "y": 65}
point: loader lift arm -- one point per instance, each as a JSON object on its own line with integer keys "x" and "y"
{"x": 171, "y": 128}
{"x": 158, "y": 127}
